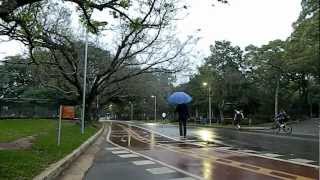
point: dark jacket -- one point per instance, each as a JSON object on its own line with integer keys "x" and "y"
{"x": 182, "y": 110}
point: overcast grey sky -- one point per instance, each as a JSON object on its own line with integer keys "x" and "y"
{"x": 242, "y": 22}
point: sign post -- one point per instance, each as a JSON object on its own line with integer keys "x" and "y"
{"x": 59, "y": 125}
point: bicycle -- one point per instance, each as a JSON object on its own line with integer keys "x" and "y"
{"x": 277, "y": 127}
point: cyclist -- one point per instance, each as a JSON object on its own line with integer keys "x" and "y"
{"x": 238, "y": 116}
{"x": 281, "y": 117}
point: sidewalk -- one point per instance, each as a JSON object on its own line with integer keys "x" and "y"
{"x": 79, "y": 167}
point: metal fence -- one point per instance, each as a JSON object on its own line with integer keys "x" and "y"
{"x": 28, "y": 108}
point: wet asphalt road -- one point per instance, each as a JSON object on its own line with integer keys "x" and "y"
{"x": 289, "y": 147}
{"x": 164, "y": 158}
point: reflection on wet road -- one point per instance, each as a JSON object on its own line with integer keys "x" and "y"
{"x": 208, "y": 162}
{"x": 285, "y": 147}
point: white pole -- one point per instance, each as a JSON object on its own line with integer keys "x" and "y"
{"x": 84, "y": 84}
{"x": 59, "y": 125}
{"x": 155, "y": 108}
{"x": 131, "y": 105}
{"x": 210, "y": 105}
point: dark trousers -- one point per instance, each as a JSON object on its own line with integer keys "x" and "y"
{"x": 183, "y": 126}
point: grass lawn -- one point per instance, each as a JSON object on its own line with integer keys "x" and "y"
{"x": 25, "y": 164}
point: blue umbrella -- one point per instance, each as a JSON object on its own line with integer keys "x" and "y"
{"x": 179, "y": 98}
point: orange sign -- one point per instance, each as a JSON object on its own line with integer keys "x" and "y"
{"x": 68, "y": 112}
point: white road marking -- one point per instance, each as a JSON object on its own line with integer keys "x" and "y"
{"x": 248, "y": 151}
{"x": 120, "y": 152}
{"x": 223, "y": 148}
{"x": 143, "y": 162}
{"x": 191, "y": 140}
{"x": 113, "y": 148}
{"x": 271, "y": 155}
{"x": 185, "y": 178}
{"x": 302, "y": 160}
{"x": 219, "y": 142}
{"x": 215, "y": 141}
{"x": 161, "y": 170}
{"x": 152, "y": 159}
{"x": 128, "y": 155}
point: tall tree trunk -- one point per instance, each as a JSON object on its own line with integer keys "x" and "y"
{"x": 197, "y": 112}
{"x": 221, "y": 115}
{"x": 89, "y": 109}
{"x": 311, "y": 113}
{"x": 276, "y": 98}
{"x": 88, "y": 115}
{"x": 318, "y": 110}
{"x": 221, "y": 107}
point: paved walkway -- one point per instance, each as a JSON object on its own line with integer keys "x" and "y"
{"x": 79, "y": 167}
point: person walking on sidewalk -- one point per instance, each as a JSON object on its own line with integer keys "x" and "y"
{"x": 182, "y": 110}
{"x": 238, "y": 116}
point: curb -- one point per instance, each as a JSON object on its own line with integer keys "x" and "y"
{"x": 55, "y": 169}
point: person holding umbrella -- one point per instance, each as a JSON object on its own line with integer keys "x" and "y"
{"x": 180, "y": 99}
{"x": 182, "y": 110}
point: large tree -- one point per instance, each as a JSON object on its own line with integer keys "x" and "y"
{"x": 268, "y": 67}
{"x": 303, "y": 54}
{"x": 222, "y": 71}
{"x": 225, "y": 77}
{"x": 143, "y": 42}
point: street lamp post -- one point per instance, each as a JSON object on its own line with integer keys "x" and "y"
{"x": 209, "y": 97}
{"x": 155, "y": 107}
{"x": 84, "y": 84}
{"x": 131, "y": 110}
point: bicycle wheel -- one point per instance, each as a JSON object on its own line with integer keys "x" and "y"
{"x": 287, "y": 129}
{"x": 276, "y": 128}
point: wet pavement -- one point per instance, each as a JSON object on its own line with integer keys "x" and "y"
{"x": 285, "y": 147}
{"x": 184, "y": 160}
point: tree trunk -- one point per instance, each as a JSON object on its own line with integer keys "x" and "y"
{"x": 89, "y": 109}
{"x": 221, "y": 115}
{"x": 318, "y": 110}
{"x": 311, "y": 114}
{"x": 276, "y": 98}
{"x": 197, "y": 113}
{"x": 88, "y": 115}
{"x": 221, "y": 106}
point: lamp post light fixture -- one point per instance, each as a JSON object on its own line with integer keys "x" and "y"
{"x": 131, "y": 110}
{"x": 155, "y": 107}
{"x": 209, "y": 97}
